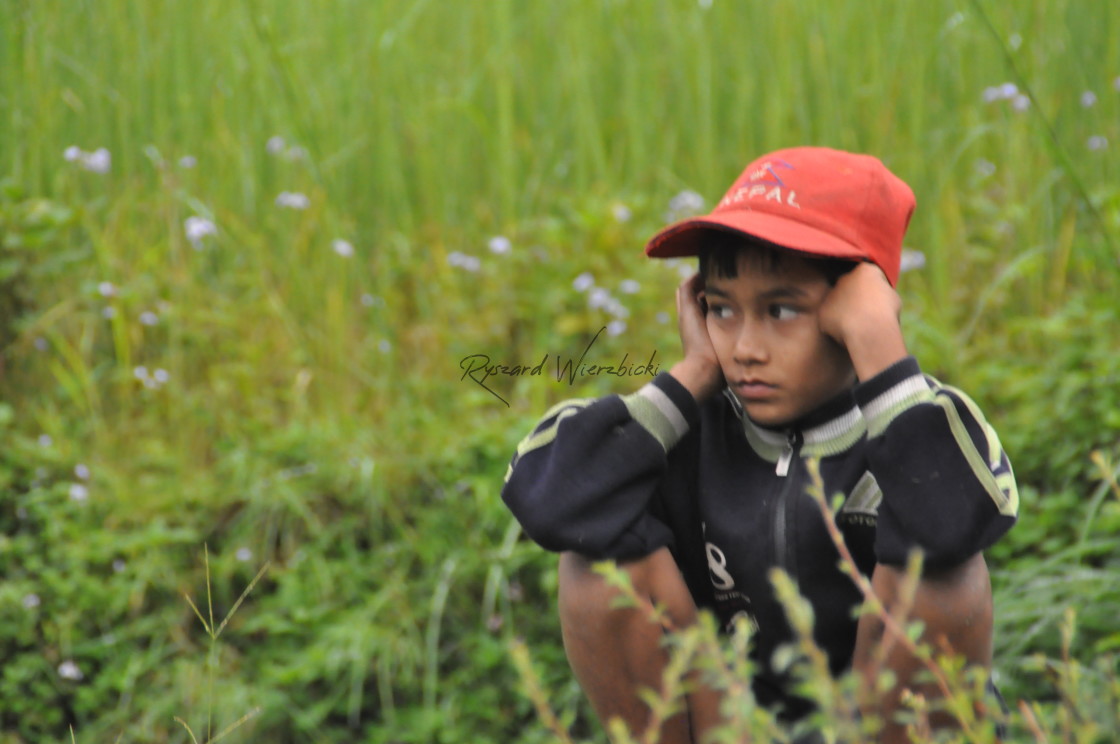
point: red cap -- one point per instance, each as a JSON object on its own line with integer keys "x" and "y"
{"x": 808, "y": 199}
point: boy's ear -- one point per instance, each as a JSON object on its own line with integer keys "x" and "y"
{"x": 702, "y": 295}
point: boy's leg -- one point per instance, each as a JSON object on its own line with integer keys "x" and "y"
{"x": 955, "y": 605}
{"x": 614, "y": 652}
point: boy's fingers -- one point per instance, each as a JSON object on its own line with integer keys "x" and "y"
{"x": 689, "y": 290}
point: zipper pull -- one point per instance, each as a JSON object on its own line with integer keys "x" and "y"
{"x": 786, "y": 457}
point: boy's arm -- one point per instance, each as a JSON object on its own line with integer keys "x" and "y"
{"x": 584, "y": 477}
{"x": 946, "y": 484}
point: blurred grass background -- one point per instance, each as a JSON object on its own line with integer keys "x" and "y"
{"x": 388, "y": 187}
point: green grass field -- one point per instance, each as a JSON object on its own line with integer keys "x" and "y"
{"x": 246, "y": 246}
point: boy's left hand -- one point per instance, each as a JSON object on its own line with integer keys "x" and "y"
{"x": 861, "y": 313}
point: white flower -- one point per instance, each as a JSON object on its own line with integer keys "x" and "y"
{"x": 985, "y": 167}
{"x": 81, "y": 471}
{"x": 616, "y": 327}
{"x": 41, "y": 343}
{"x": 1088, "y": 99}
{"x": 152, "y": 380}
{"x": 500, "y": 245}
{"x": 275, "y": 145}
{"x": 118, "y": 565}
{"x": 295, "y": 152}
{"x": 1021, "y": 102}
{"x": 621, "y": 212}
{"x": 684, "y": 204}
{"x": 598, "y": 298}
{"x": 69, "y": 670}
{"x": 583, "y": 282}
{"x": 912, "y": 260}
{"x": 108, "y": 313}
{"x": 244, "y": 555}
{"x": 45, "y": 440}
{"x": 384, "y": 346}
{"x": 149, "y": 318}
{"x": 705, "y": 4}
{"x": 616, "y": 308}
{"x": 1003, "y": 92}
{"x": 197, "y": 228}
{"x": 78, "y": 492}
{"x": 662, "y": 317}
{"x": 1015, "y": 41}
{"x": 292, "y": 200}
{"x": 98, "y": 161}
{"x": 629, "y": 286}
{"x": 366, "y": 299}
{"x": 106, "y": 289}
{"x": 343, "y": 248}
{"x": 463, "y": 261}
{"x": 31, "y": 601}
{"x": 1097, "y": 142}
{"x": 188, "y": 162}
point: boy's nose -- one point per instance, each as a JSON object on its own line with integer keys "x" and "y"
{"x": 749, "y": 346}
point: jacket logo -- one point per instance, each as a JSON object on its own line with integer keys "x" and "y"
{"x": 717, "y": 567}
{"x": 735, "y": 605}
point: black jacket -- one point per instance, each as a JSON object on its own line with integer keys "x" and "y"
{"x": 620, "y": 477}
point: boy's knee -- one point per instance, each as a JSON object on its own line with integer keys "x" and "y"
{"x": 585, "y": 594}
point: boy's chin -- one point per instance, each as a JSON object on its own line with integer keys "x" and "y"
{"x": 768, "y": 417}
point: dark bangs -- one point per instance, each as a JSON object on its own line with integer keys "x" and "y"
{"x": 720, "y": 251}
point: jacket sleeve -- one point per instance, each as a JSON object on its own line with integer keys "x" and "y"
{"x": 584, "y": 478}
{"x": 947, "y": 485}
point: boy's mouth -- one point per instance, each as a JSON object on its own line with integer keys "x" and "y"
{"x": 754, "y": 389}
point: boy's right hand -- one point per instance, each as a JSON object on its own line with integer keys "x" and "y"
{"x": 699, "y": 371}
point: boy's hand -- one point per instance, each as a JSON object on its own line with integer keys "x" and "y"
{"x": 699, "y": 371}
{"x": 861, "y": 314}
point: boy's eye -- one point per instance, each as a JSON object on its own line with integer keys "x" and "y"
{"x": 783, "y": 312}
{"x": 719, "y": 311}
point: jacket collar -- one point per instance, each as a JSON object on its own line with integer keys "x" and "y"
{"x": 834, "y": 427}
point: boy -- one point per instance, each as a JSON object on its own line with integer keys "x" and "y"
{"x": 695, "y": 483}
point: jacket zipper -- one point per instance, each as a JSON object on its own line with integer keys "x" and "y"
{"x": 786, "y": 457}
{"x": 784, "y": 557}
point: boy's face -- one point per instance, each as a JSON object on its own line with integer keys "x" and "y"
{"x": 763, "y": 326}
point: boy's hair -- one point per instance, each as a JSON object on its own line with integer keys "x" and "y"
{"x": 720, "y": 250}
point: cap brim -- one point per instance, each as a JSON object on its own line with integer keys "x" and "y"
{"x": 684, "y": 238}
